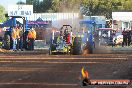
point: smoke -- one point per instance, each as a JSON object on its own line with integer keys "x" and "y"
{"x": 102, "y": 49}
{"x": 66, "y": 19}
{"x": 67, "y": 7}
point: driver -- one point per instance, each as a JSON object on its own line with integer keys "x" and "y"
{"x": 65, "y": 33}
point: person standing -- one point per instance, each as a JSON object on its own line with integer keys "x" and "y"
{"x": 18, "y": 37}
{"x": 129, "y": 37}
{"x": 124, "y": 33}
{"x": 14, "y": 38}
{"x": 34, "y": 37}
{"x": 31, "y": 38}
{"x": 21, "y": 39}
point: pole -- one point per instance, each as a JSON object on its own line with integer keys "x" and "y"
{"x": 26, "y": 25}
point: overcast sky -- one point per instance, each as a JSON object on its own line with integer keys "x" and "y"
{"x": 5, "y": 3}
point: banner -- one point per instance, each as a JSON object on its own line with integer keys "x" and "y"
{"x": 20, "y": 10}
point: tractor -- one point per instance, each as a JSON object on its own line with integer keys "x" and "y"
{"x": 88, "y": 40}
{"x": 63, "y": 41}
{"x": 7, "y": 40}
{"x": 76, "y": 43}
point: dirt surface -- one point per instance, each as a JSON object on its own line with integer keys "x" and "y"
{"x": 61, "y": 71}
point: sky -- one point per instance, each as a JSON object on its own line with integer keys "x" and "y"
{"x": 5, "y": 3}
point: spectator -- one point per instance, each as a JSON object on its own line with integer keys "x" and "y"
{"x": 21, "y": 39}
{"x": 34, "y": 37}
{"x": 124, "y": 33}
{"x": 18, "y": 37}
{"x": 31, "y": 38}
{"x": 129, "y": 37}
{"x": 14, "y": 38}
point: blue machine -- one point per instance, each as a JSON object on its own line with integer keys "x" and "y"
{"x": 88, "y": 37}
{"x": 11, "y": 23}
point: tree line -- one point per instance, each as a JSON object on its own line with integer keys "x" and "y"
{"x": 2, "y": 14}
{"x": 87, "y": 7}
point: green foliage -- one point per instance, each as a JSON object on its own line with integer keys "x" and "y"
{"x": 2, "y": 14}
{"x": 105, "y": 7}
{"x": 20, "y": 3}
{"x": 91, "y": 7}
{"x": 127, "y": 5}
{"x": 40, "y": 6}
{"x": 46, "y": 6}
{"x": 30, "y": 2}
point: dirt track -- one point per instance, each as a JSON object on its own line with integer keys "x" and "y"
{"x": 31, "y": 70}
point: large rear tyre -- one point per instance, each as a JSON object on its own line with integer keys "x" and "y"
{"x": 77, "y": 46}
{"x": 89, "y": 48}
{"x": 7, "y": 42}
{"x": 52, "y": 48}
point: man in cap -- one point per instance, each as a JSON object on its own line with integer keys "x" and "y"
{"x": 31, "y": 38}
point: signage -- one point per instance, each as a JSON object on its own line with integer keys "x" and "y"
{"x": 20, "y": 10}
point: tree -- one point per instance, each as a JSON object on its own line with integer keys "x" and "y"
{"x": 29, "y": 2}
{"x": 47, "y": 5}
{"x": 102, "y": 7}
{"x": 40, "y": 6}
{"x": 36, "y": 8}
{"x": 36, "y": 5}
{"x": 2, "y": 13}
{"x": 127, "y": 5}
{"x": 88, "y": 7}
{"x": 20, "y": 3}
{"x": 66, "y": 5}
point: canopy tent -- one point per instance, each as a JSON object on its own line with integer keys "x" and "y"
{"x": 39, "y": 23}
{"x": 39, "y": 19}
{"x": 10, "y": 23}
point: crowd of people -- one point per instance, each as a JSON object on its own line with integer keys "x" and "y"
{"x": 126, "y": 38}
{"x": 17, "y": 36}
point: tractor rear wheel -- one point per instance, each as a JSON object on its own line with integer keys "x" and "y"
{"x": 7, "y": 42}
{"x": 89, "y": 48}
{"x": 77, "y": 46}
